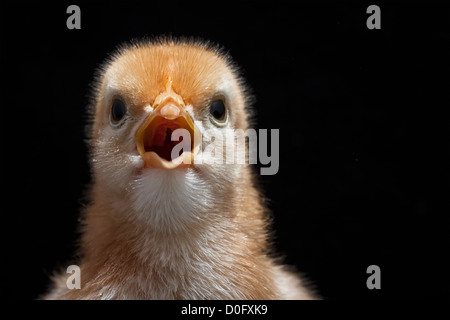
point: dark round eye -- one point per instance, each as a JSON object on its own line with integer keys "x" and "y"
{"x": 218, "y": 111}
{"x": 118, "y": 111}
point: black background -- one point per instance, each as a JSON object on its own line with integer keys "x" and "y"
{"x": 362, "y": 114}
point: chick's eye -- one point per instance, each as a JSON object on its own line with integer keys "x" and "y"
{"x": 118, "y": 111}
{"x": 218, "y": 111}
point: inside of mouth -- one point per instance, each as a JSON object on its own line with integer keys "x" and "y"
{"x": 158, "y": 136}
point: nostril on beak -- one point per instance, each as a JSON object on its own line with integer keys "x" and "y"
{"x": 170, "y": 112}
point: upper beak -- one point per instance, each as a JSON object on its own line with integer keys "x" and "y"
{"x": 154, "y": 137}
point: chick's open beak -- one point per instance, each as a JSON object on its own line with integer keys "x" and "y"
{"x": 156, "y": 141}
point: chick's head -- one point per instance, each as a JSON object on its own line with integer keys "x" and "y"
{"x": 144, "y": 93}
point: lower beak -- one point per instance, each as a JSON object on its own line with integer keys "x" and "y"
{"x": 158, "y": 138}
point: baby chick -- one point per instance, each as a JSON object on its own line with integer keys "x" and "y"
{"x": 164, "y": 227}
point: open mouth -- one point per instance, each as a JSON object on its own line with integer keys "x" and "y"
{"x": 158, "y": 136}
{"x": 154, "y": 141}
